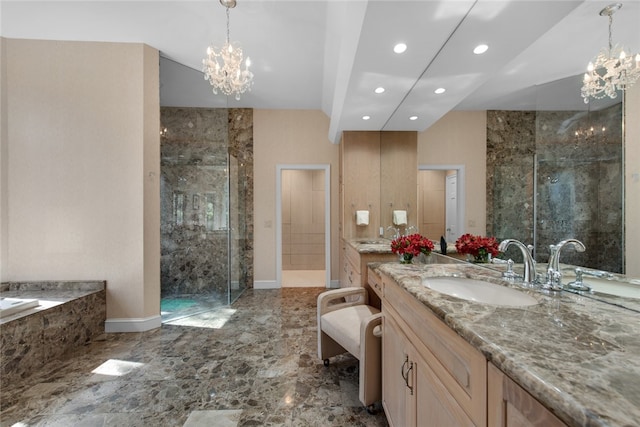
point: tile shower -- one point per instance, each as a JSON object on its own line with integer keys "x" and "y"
{"x": 206, "y": 218}
{"x": 558, "y": 174}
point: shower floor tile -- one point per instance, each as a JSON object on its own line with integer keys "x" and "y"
{"x": 251, "y": 363}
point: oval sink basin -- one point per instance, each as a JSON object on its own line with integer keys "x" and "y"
{"x": 479, "y": 291}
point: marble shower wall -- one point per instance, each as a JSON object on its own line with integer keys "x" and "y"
{"x": 194, "y": 199}
{"x": 578, "y": 179}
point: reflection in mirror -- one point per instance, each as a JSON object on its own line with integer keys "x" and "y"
{"x": 441, "y": 201}
{"x": 557, "y": 173}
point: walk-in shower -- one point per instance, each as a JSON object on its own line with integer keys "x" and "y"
{"x": 204, "y": 188}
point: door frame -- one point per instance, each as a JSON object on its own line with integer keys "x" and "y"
{"x": 327, "y": 217}
{"x": 460, "y": 190}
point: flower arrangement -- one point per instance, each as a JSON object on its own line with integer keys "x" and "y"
{"x": 409, "y": 246}
{"x": 478, "y": 246}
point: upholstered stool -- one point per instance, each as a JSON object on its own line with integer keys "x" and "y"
{"x": 346, "y": 324}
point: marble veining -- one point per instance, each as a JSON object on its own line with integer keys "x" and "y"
{"x": 578, "y": 356}
{"x": 259, "y": 368}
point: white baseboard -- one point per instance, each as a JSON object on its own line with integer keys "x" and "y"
{"x": 265, "y": 284}
{"x": 132, "y": 325}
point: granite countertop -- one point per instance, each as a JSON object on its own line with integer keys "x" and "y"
{"x": 578, "y": 356}
{"x": 381, "y": 245}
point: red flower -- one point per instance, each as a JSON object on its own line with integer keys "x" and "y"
{"x": 412, "y": 244}
{"x": 477, "y": 245}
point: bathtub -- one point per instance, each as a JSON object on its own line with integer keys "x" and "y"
{"x": 10, "y": 306}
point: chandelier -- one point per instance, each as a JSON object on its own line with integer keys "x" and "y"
{"x": 223, "y": 68}
{"x": 612, "y": 69}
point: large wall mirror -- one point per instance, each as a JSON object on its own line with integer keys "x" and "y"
{"x": 557, "y": 173}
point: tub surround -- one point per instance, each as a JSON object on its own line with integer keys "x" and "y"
{"x": 579, "y": 357}
{"x": 69, "y": 314}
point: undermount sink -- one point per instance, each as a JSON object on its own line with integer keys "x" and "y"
{"x": 479, "y": 291}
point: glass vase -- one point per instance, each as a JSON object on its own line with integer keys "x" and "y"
{"x": 405, "y": 258}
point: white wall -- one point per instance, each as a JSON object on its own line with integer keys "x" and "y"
{"x": 82, "y": 173}
{"x": 460, "y": 138}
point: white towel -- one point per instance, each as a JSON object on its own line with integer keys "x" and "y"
{"x": 400, "y": 217}
{"x": 362, "y": 217}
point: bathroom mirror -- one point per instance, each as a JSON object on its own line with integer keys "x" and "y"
{"x": 557, "y": 173}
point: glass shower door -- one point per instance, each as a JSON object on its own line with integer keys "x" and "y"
{"x": 237, "y": 268}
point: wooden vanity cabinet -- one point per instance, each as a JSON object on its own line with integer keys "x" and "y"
{"x": 430, "y": 375}
{"x": 355, "y": 272}
{"x": 510, "y": 405}
{"x": 433, "y": 377}
{"x": 414, "y": 395}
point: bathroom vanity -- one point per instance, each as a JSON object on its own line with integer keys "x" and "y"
{"x": 357, "y": 254}
{"x": 560, "y": 360}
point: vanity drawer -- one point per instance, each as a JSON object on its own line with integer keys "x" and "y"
{"x": 459, "y": 366}
{"x": 352, "y": 255}
{"x": 375, "y": 282}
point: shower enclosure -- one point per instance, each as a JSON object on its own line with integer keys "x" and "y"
{"x": 203, "y": 225}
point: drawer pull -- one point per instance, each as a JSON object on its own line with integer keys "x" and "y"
{"x": 405, "y": 374}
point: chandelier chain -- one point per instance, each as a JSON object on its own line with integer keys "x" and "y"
{"x": 229, "y": 38}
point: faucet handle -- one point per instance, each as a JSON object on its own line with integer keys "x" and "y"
{"x": 509, "y": 274}
{"x": 578, "y": 284}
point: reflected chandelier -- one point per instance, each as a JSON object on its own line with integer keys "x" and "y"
{"x": 223, "y": 68}
{"x": 612, "y": 69}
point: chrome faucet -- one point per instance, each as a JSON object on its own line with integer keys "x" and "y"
{"x": 554, "y": 276}
{"x": 529, "y": 276}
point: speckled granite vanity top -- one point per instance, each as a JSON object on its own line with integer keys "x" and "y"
{"x": 383, "y": 246}
{"x": 578, "y": 356}
{"x": 371, "y": 246}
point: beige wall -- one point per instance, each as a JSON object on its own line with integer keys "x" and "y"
{"x": 287, "y": 137}
{"x": 460, "y": 138}
{"x": 4, "y": 159}
{"x": 632, "y": 180}
{"x": 83, "y": 176}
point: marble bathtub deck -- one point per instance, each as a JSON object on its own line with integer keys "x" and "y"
{"x": 251, "y": 364}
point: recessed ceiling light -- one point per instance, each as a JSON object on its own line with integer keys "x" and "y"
{"x": 413, "y": 118}
{"x": 480, "y": 49}
{"x": 440, "y": 90}
{"x": 366, "y": 117}
{"x": 379, "y": 90}
{"x": 400, "y": 48}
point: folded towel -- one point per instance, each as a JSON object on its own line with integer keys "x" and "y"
{"x": 400, "y": 217}
{"x": 362, "y": 217}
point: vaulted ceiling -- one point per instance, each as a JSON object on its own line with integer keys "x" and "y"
{"x": 332, "y": 54}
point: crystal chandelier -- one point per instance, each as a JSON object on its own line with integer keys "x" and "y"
{"x": 223, "y": 68}
{"x": 612, "y": 69}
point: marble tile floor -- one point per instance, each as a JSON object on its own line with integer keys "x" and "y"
{"x": 251, "y": 364}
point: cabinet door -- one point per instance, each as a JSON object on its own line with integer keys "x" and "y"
{"x": 510, "y": 405}
{"x": 434, "y": 404}
{"x": 395, "y": 368}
